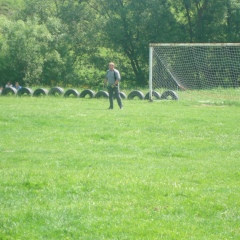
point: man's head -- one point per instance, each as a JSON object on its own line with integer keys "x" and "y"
{"x": 111, "y": 65}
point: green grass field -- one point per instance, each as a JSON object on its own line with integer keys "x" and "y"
{"x": 70, "y": 169}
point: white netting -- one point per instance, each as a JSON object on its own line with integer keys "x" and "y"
{"x": 191, "y": 69}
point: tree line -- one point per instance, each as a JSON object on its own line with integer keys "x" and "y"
{"x": 70, "y": 42}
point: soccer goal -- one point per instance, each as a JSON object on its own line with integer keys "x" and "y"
{"x": 199, "y": 71}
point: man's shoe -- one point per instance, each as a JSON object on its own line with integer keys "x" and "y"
{"x": 110, "y": 108}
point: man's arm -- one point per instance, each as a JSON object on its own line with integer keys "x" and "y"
{"x": 117, "y": 78}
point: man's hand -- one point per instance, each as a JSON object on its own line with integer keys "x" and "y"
{"x": 113, "y": 85}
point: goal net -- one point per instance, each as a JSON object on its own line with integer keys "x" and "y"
{"x": 197, "y": 71}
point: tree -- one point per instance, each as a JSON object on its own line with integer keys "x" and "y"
{"x": 71, "y": 41}
{"x": 208, "y": 20}
{"x": 232, "y": 21}
{"x": 24, "y": 45}
{"x": 70, "y": 23}
{"x": 130, "y": 26}
{"x": 8, "y": 8}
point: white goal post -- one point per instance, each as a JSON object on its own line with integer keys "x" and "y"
{"x": 189, "y": 67}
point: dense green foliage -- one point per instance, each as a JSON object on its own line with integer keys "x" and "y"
{"x": 70, "y": 42}
{"x": 71, "y": 169}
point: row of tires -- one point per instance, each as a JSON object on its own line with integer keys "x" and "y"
{"x": 58, "y": 91}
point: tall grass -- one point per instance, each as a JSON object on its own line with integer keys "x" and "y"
{"x": 70, "y": 169}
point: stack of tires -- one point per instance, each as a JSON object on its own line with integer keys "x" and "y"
{"x": 87, "y": 93}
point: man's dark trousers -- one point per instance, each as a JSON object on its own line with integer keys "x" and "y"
{"x": 111, "y": 91}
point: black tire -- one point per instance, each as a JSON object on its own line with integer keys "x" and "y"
{"x": 71, "y": 92}
{"x": 88, "y": 92}
{"x": 9, "y": 91}
{"x": 56, "y": 91}
{"x": 102, "y": 94}
{"x": 123, "y": 95}
{"x": 25, "y": 91}
{"x": 40, "y": 92}
{"x": 155, "y": 94}
{"x": 169, "y": 95}
{"x": 136, "y": 93}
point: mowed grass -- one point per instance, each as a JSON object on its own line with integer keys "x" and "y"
{"x": 70, "y": 169}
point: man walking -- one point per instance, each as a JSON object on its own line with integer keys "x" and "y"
{"x": 112, "y": 80}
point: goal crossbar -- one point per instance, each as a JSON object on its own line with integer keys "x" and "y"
{"x": 194, "y": 44}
